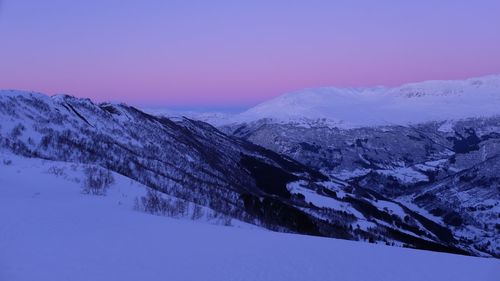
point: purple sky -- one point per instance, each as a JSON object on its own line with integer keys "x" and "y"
{"x": 238, "y": 53}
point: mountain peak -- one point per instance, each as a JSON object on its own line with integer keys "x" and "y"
{"x": 434, "y": 100}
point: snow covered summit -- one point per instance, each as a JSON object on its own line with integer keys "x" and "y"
{"x": 406, "y": 104}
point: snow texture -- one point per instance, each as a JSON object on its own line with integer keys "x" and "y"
{"x": 51, "y": 231}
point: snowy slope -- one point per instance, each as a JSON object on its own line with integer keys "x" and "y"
{"x": 358, "y": 107}
{"x": 50, "y": 231}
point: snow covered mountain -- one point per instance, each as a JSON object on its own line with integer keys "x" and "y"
{"x": 433, "y": 146}
{"x": 194, "y": 170}
{"x": 447, "y": 169}
{"x": 189, "y": 160}
{"x": 359, "y": 107}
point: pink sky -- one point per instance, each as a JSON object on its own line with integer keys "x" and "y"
{"x": 231, "y": 53}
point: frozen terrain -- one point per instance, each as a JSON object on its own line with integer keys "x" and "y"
{"x": 51, "y": 231}
{"x": 200, "y": 172}
{"x": 378, "y": 106}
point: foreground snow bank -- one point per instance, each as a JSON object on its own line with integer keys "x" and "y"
{"x": 50, "y": 231}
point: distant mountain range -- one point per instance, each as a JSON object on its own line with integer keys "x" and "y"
{"x": 413, "y": 166}
{"x": 378, "y": 106}
{"x": 411, "y": 103}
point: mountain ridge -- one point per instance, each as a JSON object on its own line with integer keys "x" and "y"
{"x": 411, "y": 103}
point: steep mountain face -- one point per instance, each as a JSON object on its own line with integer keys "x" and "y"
{"x": 189, "y": 160}
{"x": 194, "y": 162}
{"x": 447, "y": 171}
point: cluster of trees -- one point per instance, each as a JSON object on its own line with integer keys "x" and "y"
{"x": 157, "y": 203}
{"x": 97, "y": 180}
{"x": 154, "y": 202}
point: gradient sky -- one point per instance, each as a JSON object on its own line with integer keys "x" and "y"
{"x": 238, "y": 53}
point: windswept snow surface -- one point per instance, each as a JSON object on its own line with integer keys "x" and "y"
{"x": 379, "y": 106}
{"x": 50, "y": 231}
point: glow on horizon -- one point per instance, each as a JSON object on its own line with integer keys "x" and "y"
{"x": 236, "y": 53}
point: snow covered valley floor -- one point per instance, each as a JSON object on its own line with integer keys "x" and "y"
{"x": 50, "y": 231}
